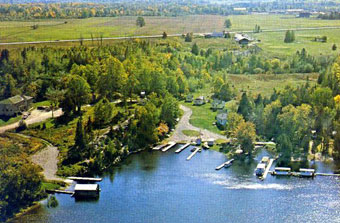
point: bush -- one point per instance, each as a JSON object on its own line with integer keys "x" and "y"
{"x": 22, "y": 126}
{"x": 52, "y": 201}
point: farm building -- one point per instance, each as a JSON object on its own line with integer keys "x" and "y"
{"x": 221, "y": 118}
{"x": 15, "y": 105}
{"x": 217, "y": 105}
{"x": 242, "y": 39}
{"x": 199, "y": 100}
{"x": 215, "y": 35}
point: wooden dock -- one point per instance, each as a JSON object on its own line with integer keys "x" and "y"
{"x": 267, "y": 169}
{"x": 224, "y": 164}
{"x": 192, "y": 154}
{"x": 88, "y": 179}
{"x": 169, "y": 146}
{"x": 182, "y": 148}
{"x": 158, "y": 147}
{"x": 328, "y": 174}
{"x": 60, "y": 192}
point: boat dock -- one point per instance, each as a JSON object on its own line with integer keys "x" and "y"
{"x": 224, "y": 164}
{"x": 87, "y": 179}
{"x": 60, "y": 192}
{"x": 169, "y": 146}
{"x": 182, "y": 148}
{"x": 267, "y": 169}
{"x": 328, "y": 174}
{"x": 192, "y": 154}
{"x": 158, "y": 147}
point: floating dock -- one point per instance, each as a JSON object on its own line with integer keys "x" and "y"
{"x": 328, "y": 174}
{"x": 267, "y": 169}
{"x": 60, "y": 192}
{"x": 192, "y": 154}
{"x": 224, "y": 164}
{"x": 169, "y": 146}
{"x": 88, "y": 179}
{"x": 158, "y": 147}
{"x": 182, "y": 148}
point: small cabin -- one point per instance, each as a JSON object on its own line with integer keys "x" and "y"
{"x": 307, "y": 172}
{"x": 86, "y": 190}
{"x": 211, "y": 142}
{"x": 282, "y": 171}
{"x": 221, "y": 119}
{"x": 189, "y": 98}
{"x": 199, "y": 100}
{"x": 260, "y": 168}
{"x": 142, "y": 94}
{"x": 242, "y": 39}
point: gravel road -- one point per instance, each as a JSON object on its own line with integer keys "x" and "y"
{"x": 184, "y": 124}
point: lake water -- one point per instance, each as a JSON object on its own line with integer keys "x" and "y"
{"x": 164, "y": 187}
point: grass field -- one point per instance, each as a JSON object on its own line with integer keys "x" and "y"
{"x": 272, "y": 43}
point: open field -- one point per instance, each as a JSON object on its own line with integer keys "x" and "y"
{"x": 265, "y": 84}
{"x": 271, "y": 42}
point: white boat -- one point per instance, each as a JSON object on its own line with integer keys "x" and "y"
{"x": 228, "y": 163}
{"x": 306, "y": 172}
{"x": 282, "y": 171}
{"x": 260, "y": 168}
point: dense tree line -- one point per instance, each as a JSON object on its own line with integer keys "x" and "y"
{"x": 20, "y": 181}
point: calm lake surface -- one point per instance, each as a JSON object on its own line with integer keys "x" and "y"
{"x": 164, "y": 187}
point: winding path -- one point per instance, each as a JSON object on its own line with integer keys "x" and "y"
{"x": 184, "y": 124}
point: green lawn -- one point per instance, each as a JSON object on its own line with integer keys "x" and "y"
{"x": 188, "y": 132}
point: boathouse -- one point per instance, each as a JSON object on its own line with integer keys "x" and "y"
{"x": 86, "y": 190}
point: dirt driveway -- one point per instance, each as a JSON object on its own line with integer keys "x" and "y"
{"x": 184, "y": 124}
{"x": 35, "y": 117}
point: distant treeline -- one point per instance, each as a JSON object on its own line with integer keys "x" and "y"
{"x": 16, "y": 10}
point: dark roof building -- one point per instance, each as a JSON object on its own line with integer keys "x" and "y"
{"x": 15, "y": 105}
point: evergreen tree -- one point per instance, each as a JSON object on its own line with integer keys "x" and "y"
{"x": 188, "y": 37}
{"x": 334, "y": 47}
{"x": 195, "y": 49}
{"x": 245, "y": 108}
{"x": 289, "y": 37}
{"x": 227, "y": 23}
{"x": 140, "y": 21}
{"x": 165, "y": 35}
{"x": 79, "y": 149}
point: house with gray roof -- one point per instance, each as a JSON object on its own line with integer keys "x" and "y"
{"x": 14, "y": 105}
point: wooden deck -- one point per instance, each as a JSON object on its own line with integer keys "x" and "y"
{"x": 60, "y": 192}
{"x": 192, "y": 154}
{"x": 158, "y": 147}
{"x": 169, "y": 146}
{"x": 223, "y": 164}
{"x": 89, "y": 179}
{"x": 182, "y": 148}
